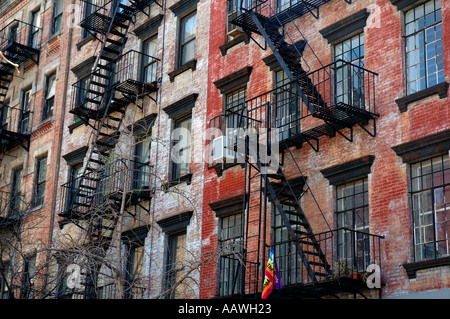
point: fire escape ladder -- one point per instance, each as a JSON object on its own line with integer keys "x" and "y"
{"x": 104, "y": 101}
{"x": 19, "y": 42}
{"x": 284, "y": 193}
{"x": 287, "y": 56}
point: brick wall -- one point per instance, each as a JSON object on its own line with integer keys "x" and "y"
{"x": 389, "y": 200}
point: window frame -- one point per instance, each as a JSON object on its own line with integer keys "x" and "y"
{"x": 353, "y": 258}
{"x": 49, "y": 102}
{"x": 25, "y": 108}
{"x": 151, "y": 63}
{"x": 89, "y": 8}
{"x": 57, "y": 17}
{"x": 227, "y": 265}
{"x": 173, "y": 166}
{"x": 40, "y": 181}
{"x": 171, "y": 260}
{"x": 415, "y": 33}
{"x": 181, "y": 42}
{"x": 348, "y": 89}
{"x": 16, "y": 187}
{"x": 5, "y": 285}
{"x": 35, "y": 19}
{"x": 293, "y": 115}
{"x": 131, "y": 278}
{"x": 28, "y": 276}
{"x": 141, "y": 169}
{"x": 431, "y": 209}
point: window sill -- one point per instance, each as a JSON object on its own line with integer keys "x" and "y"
{"x": 185, "y": 178}
{"x": 84, "y": 41}
{"x": 439, "y": 89}
{"x": 43, "y": 122}
{"x": 412, "y": 268}
{"x": 188, "y": 65}
{"x": 228, "y": 45}
{"x": 54, "y": 36}
{"x": 75, "y": 125}
{"x": 37, "y": 207}
{"x": 221, "y": 167}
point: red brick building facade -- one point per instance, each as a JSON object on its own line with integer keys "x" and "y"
{"x": 411, "y": 127}
{"x": 117, "y": 152}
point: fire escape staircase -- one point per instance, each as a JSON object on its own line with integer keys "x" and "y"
{"x": 260, "y": 18}
{"x": 17, "y": 47}
{"x": 103, "y": 103}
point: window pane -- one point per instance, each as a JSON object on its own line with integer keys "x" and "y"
{"x": 188, "y": 52}
{"x": 189, "y": 28}
{"x": 430, "y": 207}
{"x": 423, "y": 21}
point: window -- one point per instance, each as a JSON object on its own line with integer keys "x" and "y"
{"x": 234, "y": 102}
{"x": 289, "y": 265}
{"x": 350, "y": 79}
{"x": 57, "y": 16}
{"x": 285, "y": 4}
{"x": 141, "y": 163}
{"x": 181, "y": 152}
{"x": 5, "y": 281}
{"x": 41, "y": 175}
{"x": 13, "y": 33}
{"x": 82, "y": 87}
{"x": 16, "y": 196}
{"x": 89, "y": 8}
{"x": 352, "y": 203}
{"x": 75, "y": 172}
{"x": 188, "y": 27}
{"x": 25, "y": 112}
{"x": 233, "y": 11}
{"x": 135, "y": 265}
{"x": 430, "y": 191}
{"x": 49, "y": 102}
{"x": 149, "y": 61}
{"x": 34, "y": 29}
{"x": 29, "y": 274}
{"x": 4, "y": 116}
{"x": 287, "y": 111}
{"x": 231, "y": 240}
{"x": 424, "y": 50}
{"x": 176, "y": 257}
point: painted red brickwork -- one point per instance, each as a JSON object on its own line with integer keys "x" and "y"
{"x": 389, "y": 198}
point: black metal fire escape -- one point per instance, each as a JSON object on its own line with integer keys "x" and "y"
{"x": 316, "y": 91}
{"x": 114, "y": 83}
{"x": 19, "y": 42}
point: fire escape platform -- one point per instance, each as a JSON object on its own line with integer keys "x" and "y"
{"x": 337, "y": 118}
{"x": 20, "y": 52}
{"x": 245, "y": 21}
{"x": 136, "y": 88}
{"x": 328, "y": 287}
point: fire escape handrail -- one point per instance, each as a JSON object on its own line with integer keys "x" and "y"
{"x": 5, "y": 29}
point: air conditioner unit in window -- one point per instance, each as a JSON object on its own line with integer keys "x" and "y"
{"x": 220, "y": 150}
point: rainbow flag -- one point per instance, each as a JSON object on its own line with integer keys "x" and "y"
{"x": 272, "y": 277}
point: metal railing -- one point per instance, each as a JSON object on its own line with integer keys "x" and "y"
{"x": 109, "y": 291}
{"x": 14, "y": 120}
{"x": 12, "y": 205}
{"x": 95, "y": 188}
{"x": 335, "y": 86}
{"x": 237, "y": 277}
{"x": 124, "y": 74}
{"x": 21, "y": 33}
{"x": 349, "y": 252}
